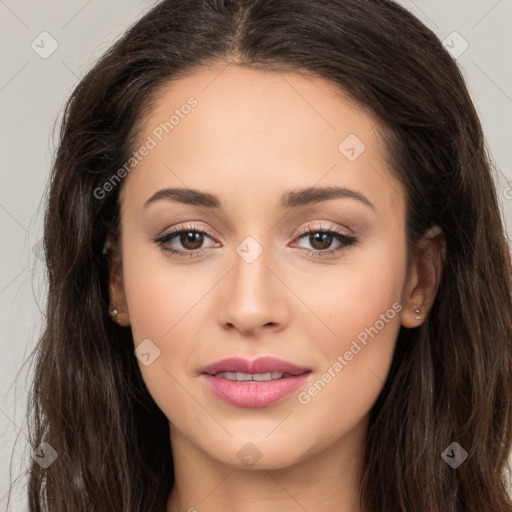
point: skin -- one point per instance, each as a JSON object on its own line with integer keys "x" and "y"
{"x": 252, "y": 137}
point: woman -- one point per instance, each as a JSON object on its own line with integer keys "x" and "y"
{"x": 278, "y": 275}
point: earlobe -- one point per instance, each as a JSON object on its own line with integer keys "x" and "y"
{"x": 118, "y": 309}
{"x": 422, "y": 285}
{"x": 412, "y": 317}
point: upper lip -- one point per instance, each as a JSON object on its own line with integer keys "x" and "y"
{"x": 260, "y": 365}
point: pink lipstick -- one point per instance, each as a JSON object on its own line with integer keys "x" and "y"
{"x": 257, "y": 383}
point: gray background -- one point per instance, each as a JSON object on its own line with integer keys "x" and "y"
{"x": 32, "y": 93}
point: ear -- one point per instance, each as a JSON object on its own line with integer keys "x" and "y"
{"x": 424, "y": 277}
{"x": 115, "y": 284}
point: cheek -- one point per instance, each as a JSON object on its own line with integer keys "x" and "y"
{"x": 161, "y": 304}
{"x": 161, "y": 309}
{"x": 352, "y": 296}
{"x": 161, "y": 295}
{"x": 362, "y": 306}
{"x": 342, "y": 394}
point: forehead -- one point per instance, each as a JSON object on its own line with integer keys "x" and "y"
{"x": 234, "y": 130}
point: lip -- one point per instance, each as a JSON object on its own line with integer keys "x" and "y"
{"x": 252, "y": 394}
{"x": 260, "y": 365}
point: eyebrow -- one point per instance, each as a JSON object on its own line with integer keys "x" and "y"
{"x": 291, "y": 199}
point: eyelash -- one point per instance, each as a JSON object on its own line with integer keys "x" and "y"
{"x": 345, "y": 240}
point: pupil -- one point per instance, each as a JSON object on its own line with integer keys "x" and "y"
{"x": 193, "y": 238}
{"x": 324, "y": 239}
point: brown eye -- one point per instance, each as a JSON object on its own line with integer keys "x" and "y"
{"x": 191, "y": 240}
{"x": 320, "y": 240}
{"x": 186, "y": 241}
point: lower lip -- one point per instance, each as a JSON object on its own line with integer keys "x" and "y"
{"x": 252, "y": 393}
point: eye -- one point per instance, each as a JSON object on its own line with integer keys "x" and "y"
{"x": 187, "y": 241}
{"x": 190, "y": 238}
{"x": 321, "y": 240}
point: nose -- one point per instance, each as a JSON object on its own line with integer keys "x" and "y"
{"x": 253, "y": 296}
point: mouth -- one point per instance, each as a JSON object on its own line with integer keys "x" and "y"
{"x": 265, "y": 366}
{"x": 256, "y": 377}
{"x": 258, "y": 383}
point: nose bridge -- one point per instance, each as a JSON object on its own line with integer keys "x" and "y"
{"x": 251, "y": 273}
{"x": 251, "y": 266}
{"x": 252, "y": 298}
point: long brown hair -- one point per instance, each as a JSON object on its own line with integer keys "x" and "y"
{"x": 451, "y": 379}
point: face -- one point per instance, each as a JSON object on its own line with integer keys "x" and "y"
{"x": 286, "y": 240}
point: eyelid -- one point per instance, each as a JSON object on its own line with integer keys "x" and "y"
{"x": 189, "y": 226}
{"x": 313, "y": 228}
{"x": 196, "y": 228}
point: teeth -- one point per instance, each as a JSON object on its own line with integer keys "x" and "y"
{"x": 245, "y": 377}
{"x": 262, "y": 376}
